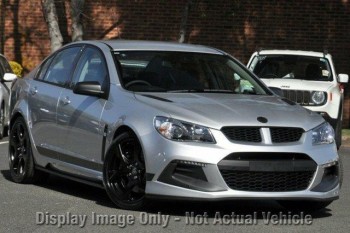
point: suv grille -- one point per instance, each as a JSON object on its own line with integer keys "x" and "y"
{"x": 253, "y": 134}
{"x": 267, "y": 172}
{"x": 300, "y": 97}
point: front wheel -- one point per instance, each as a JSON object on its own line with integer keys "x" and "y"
{"x": 124, "y": 172}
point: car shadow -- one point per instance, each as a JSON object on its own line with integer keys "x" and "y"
{"x": 257, "y": 208}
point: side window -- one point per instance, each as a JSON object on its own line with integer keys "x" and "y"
{"x": 91, "y": 67}
{"x": 43, "y": 69}
{"x": 61, "y": 66}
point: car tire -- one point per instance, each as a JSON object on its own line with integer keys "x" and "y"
{"x": 310, "y": 206}
{"x": 124, "y": 172}
{"x": 2, "y": 122}
{"x": 338, "y": 133}
{"x": 21, "y": 161}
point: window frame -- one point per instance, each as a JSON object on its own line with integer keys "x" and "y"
{"x": 50, "y": 60}
{"x": 86, "y": 46}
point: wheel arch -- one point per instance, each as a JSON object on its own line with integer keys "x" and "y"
{"x": 15, "y": 116}
{"x": 122, "y": 129}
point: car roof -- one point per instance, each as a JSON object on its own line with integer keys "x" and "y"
{"x": 130, "y": 45}
{"x": 293, "y": 52}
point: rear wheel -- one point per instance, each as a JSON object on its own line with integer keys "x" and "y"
{"x": 124, "y": 172}
{"x": 21, "y": 159}
{"x": 312, "y": 206}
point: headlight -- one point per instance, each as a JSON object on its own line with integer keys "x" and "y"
{"x": 323, "y": 134}
{"x": 318, "y": 97}
{"x": 182, "y": 131}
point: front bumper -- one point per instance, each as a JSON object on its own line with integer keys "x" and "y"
{"x": 200, "y": 176}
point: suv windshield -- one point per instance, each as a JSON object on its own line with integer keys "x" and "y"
{"x": 157, "y": 71}
{"x": 291, "y": 67}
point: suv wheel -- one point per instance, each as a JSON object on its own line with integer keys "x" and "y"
{"x": 338, "y": 130}
{"x": 124, "y": 172}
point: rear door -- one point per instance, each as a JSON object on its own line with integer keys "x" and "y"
{"x": 44, "y": 93}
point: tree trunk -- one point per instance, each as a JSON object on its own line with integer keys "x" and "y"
{"x": 184, "y": 21}
{"x": 50, "y": 14}
{"x": 2, "y": 25}
{"x": 76, "y": 13}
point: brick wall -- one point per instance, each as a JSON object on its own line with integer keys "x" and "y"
{"x": 238, "y": 27}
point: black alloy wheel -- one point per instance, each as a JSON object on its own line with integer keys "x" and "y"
{"x": 124, "y": 172}
{"x": 21, "y": 160}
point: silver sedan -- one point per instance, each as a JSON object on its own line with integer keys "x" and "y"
{"x": 154, "y": 119}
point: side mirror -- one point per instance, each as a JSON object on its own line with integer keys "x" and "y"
{"x": 91, "y": 88}
{"x": 9, "y": 77}
{"x": 343, "y": 78}
{"x": 277, "y": 91}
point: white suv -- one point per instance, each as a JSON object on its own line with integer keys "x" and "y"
{"x": 307, "y": 78}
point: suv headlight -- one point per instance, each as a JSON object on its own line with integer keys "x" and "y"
{"x": 323, "y": 134}
{"x": 182, "y": 131}
{"x": 318, "y": 97}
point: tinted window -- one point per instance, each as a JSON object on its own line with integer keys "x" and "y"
{"x": 61, "y": 66}
{"x": 91, "y": 67}
{"x": 182, "y": 71}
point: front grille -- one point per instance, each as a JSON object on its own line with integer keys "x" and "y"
{"x": 247, "y": 134}
{"x": 300, "y": 97}
{"x": 267, "y": 171}
{"x": 279, "y": 135}
{"x": 253, "y": 134}
{"x": 267, "y": 181}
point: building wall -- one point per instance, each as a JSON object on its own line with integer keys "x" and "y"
{"x": 237, "y": 27}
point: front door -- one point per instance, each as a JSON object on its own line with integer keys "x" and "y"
{"x": 80, "y": 115}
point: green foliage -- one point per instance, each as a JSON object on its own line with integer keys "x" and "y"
{"x": 17, "y": 68}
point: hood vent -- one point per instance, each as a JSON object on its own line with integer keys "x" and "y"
{"x": 157, "y": 98}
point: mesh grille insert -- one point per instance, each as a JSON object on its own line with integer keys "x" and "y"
{"x": 267, "y": 181}
{"x": 279, "y": 135}
{"x": 247, "y": 134}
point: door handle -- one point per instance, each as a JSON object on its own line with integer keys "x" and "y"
{"x": 66, "y": 100}
{"x": 33, "y": 90}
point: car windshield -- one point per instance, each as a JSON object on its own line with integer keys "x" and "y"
{"x": 157, "y": 71}
{"x": 291, "y": 67}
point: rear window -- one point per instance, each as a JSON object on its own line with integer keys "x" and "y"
{"x": 291, "y": 67}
